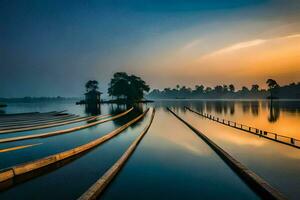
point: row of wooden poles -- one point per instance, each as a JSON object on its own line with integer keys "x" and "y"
{"x": 262, "y": 133}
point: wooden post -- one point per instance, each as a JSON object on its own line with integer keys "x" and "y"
{"x": 292, "y": 140}
{"x": 275, "y": 136}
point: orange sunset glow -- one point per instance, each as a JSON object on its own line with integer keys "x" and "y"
{"x": 150, "y": 99}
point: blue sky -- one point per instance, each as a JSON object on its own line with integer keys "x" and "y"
{"x": 51, "y": 48}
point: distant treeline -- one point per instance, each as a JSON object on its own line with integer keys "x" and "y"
{"x": 35, "y": 99}
{"x": 291, "y": 91}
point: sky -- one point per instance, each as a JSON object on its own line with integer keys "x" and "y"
{"x": 52, "y": 47}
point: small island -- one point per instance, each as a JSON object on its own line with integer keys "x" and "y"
{"x": 123, "y": 89}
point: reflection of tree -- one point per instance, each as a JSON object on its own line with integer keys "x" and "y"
{"x": 218, "y": 106}
{"x": 208, "y": 107}
{"x": 231, "y": 107}
{"x": 225, "y": 107}
{"x": 200, "y": 106}
{"x": 2, "y": 111}
{"x": 245, "y": 106}
{"x": 116, "y": 109}
{"x": 93, "y": 109}
{"x": 255, "y": 108}
{"x": 290, "y": 106}
{"x": 274, "y": 112}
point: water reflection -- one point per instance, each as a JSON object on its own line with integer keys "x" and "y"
{"x": 249, "y": 107}
{"x": 274, "y": 112}
{"x": 2, "y": 111}
{"x": 282, "y": 117}
{"x": 255, "y": 108}
{"x": 115, "y": 109}
{"x": 92, "y": 109}
{"x": 276, "y": 163}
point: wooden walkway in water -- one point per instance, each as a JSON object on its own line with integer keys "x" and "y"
{"x": 6, "y": 175}
{"x": 292, "y": 142}
{"x": 69, "y": 130}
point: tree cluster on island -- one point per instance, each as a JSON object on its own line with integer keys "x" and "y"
{"x": 123, "y": 88}
{"x": 274, "y": 91}
{"x": 127, "y": 88}
{"x": 91, "y": 85}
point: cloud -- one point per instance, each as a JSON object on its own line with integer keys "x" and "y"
{"x": 247, "y": 44}
{"x": 239, "y": 46}
{"x": 191, "y": 44}
{"x": 292, "y": 36}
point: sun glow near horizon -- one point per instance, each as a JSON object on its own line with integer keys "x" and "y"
{"x": 241, "y": 63}
{"x": 260, "y": 58}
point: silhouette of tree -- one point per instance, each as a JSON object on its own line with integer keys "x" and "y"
{"x": 199, "y": 89}
{"x": 218, "y": 89}
{"x": 274, "y": 112}
{"x": 255, "y": 88}
{"x": 131, "y": 88}
{"x": 291, "y": 91}
{"x": 273, "y": 87}
{"x": 225, "y": 89}
{"x": 185, "y": 91}
{"x": 208, "y": 90}
{"x": 231, "y": 88}
{"x": 91, "y": 85}
{"x": 245, "y": 89}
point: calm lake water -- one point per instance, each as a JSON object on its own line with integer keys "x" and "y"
{"x": 171, "y": 162}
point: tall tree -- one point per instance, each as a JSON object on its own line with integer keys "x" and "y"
{"x": 273, "y": 87}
